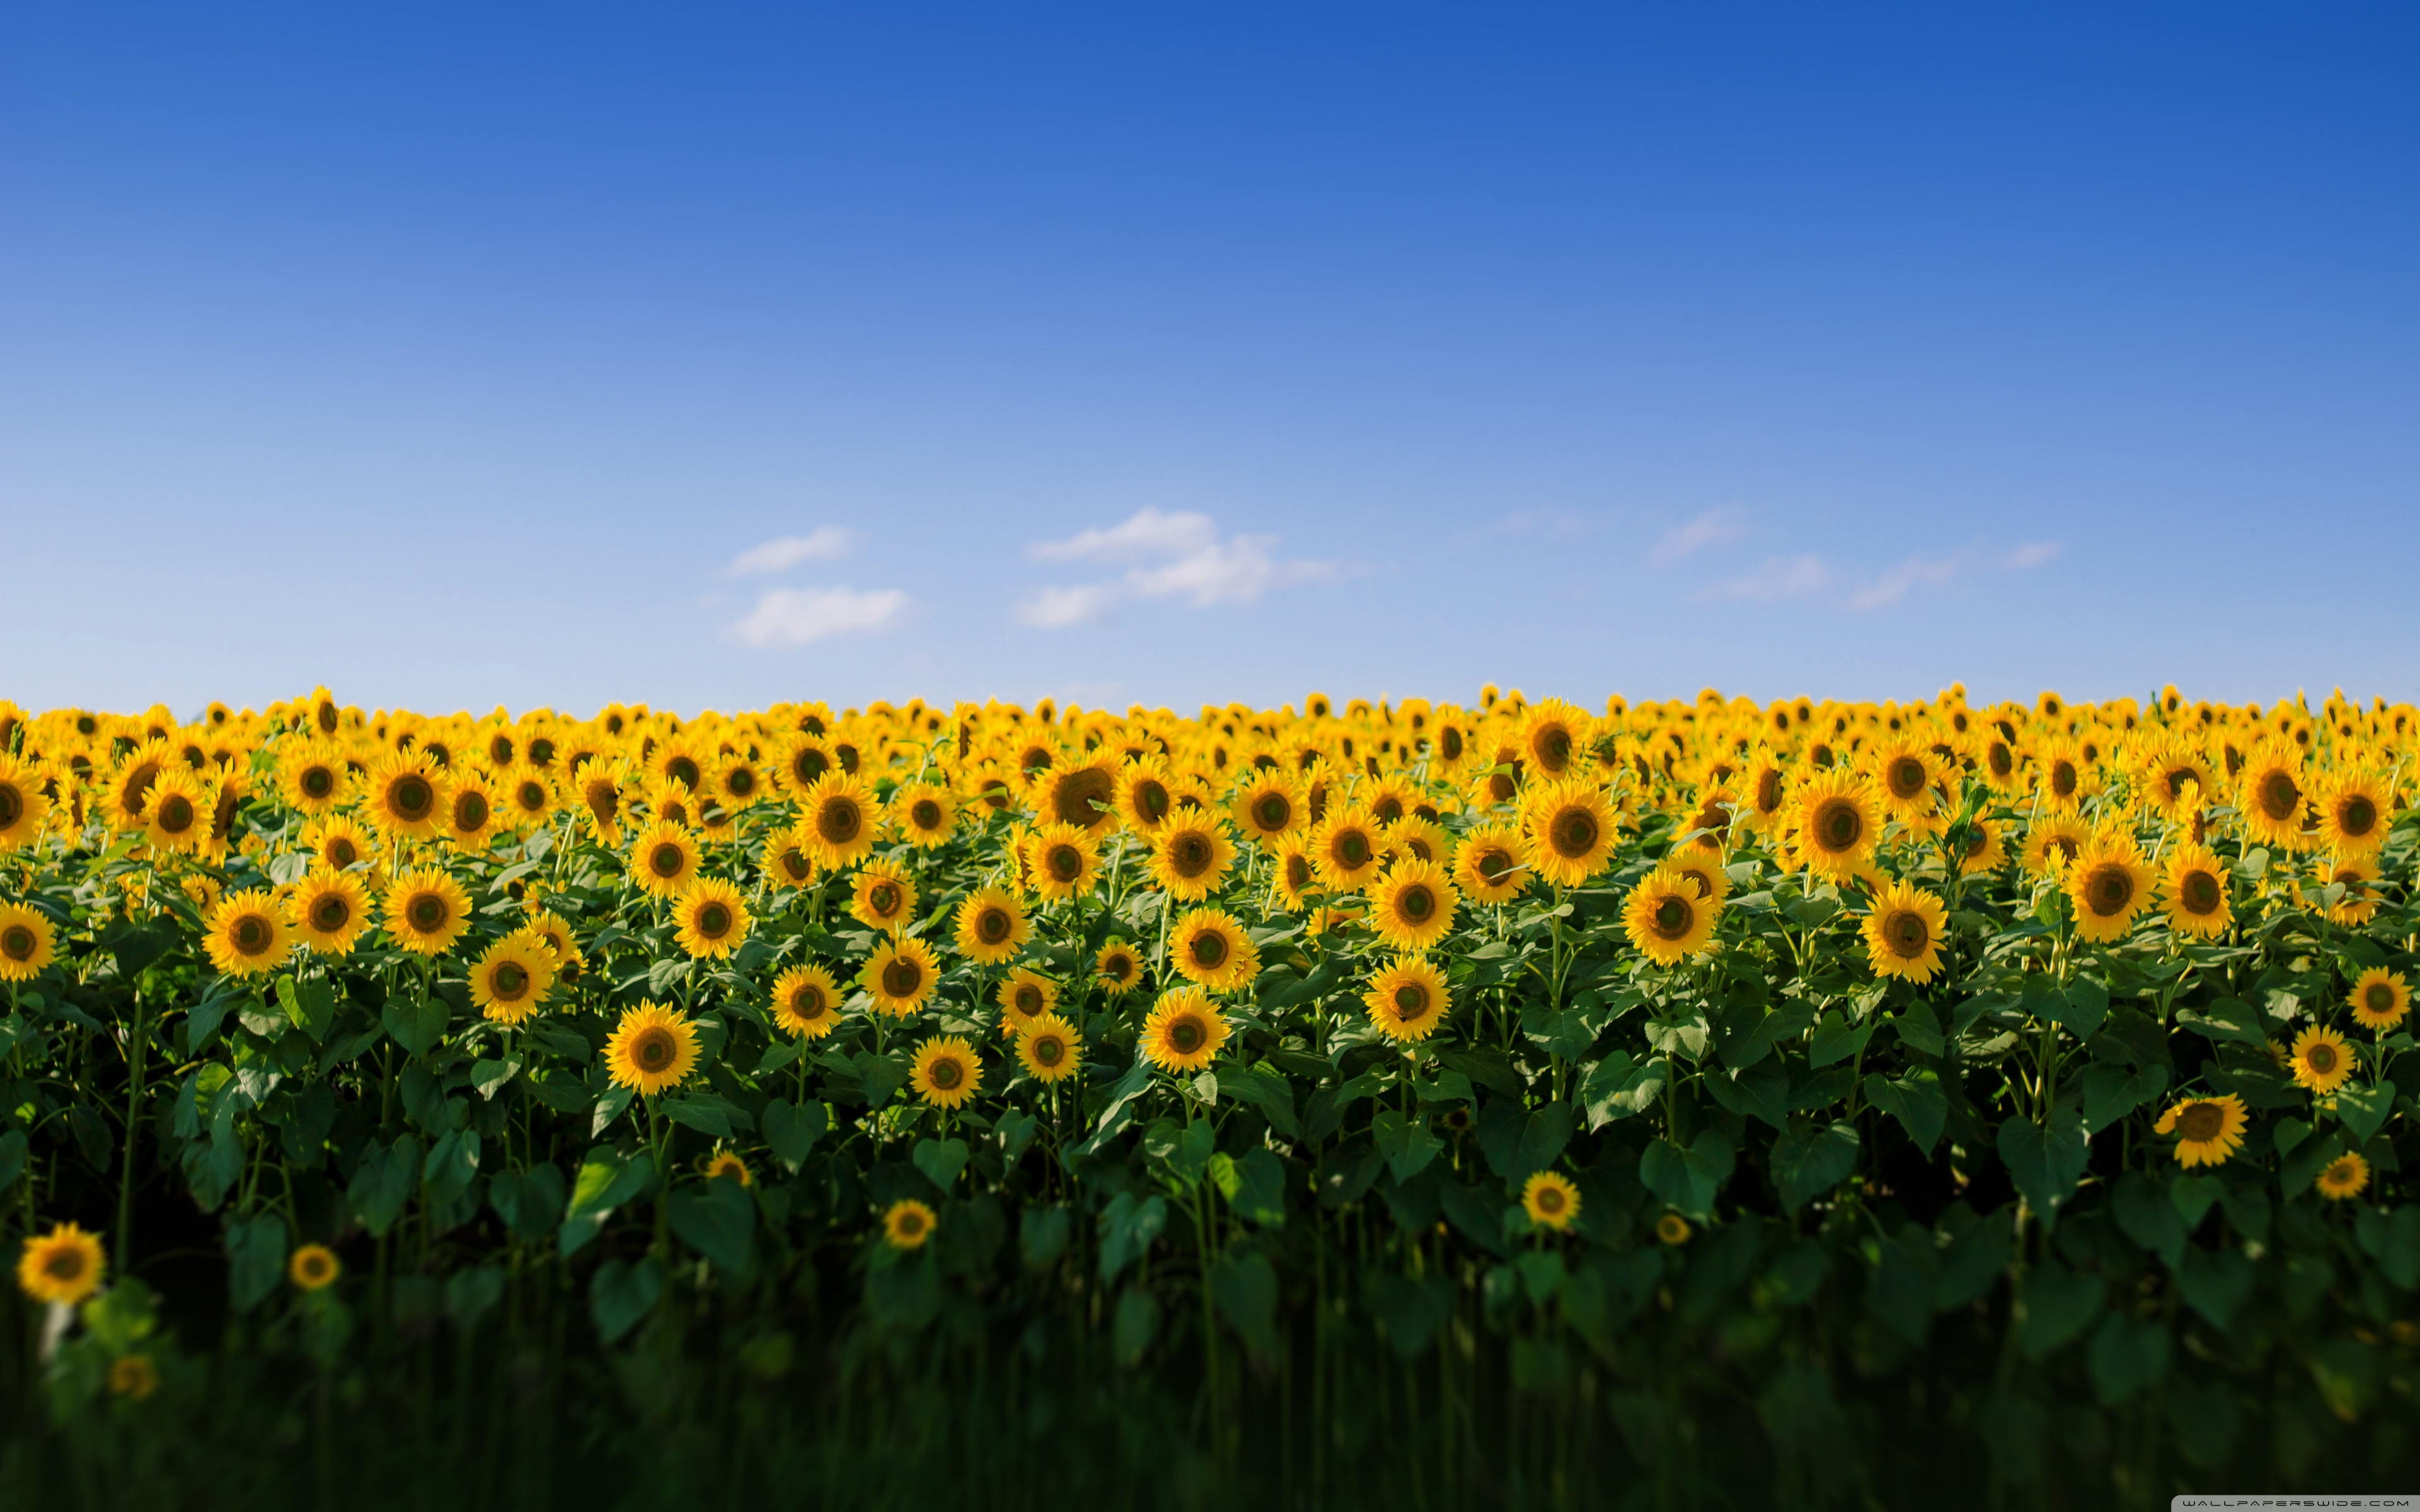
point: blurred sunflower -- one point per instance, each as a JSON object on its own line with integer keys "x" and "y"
{"x": 312, "y": 775}
{"x": 805, "y": 759}
{"x": 1666, "y": 919}
{"x": 1412, "y": 906}
{"x": 906, "y": 1223}
{"x": 1144, "y": 796}
{"x": 992, "y": 926}
{"x": 2174, "y": 774}
{"x": 1984, "y": 850}
{"x": 2359, "y": 900}
{"x": 1117, "y": 970}
{"x": 1209, "y": 948}
{"x": 1570, "y": 830}
{"x": 1079, "y": 791}
{"x": 806, "y": 1002}
{"x": 1025, "y": 995}
{"x": 1267, "y": 807}
{"x": 62, "y": 1267}
{"x": 2062, "y": 777}
{"x": 2269, "y": 796}
{"x": 426, "y": 911}
{"x": 247, "y": 935}
{"x": 512, "y": 978}
{"x": 1407, "y": 1000}
{"x": 550, "y": 928}
{"x": 339, "y": 843}
{"x": 2209, "y": 1130}
{"x": 1550, "y": 1200}
{"x": 1423, "y": 839}
{"x": 1904, "y": 775}
{"x": 653, "y": 1048}
{"x": 529, "y": 797}
{"x": 1491, "y": 863}
{"x": 599, "y": 786}
{"x": 900, "y": 975}
{"x": 2354, "y": 807}
{"x": 1904, "y": 933}
{"x": 331, "y": 910}
{"x": 1191, "y": 857}
{"x": 946, "y": 1073}
{"x": 1184, "y": 1031}
{"x": 2344, "y": 1178}
{"x": 129, "y": 794}
{"x": 177, "y": 817}
{"x": 2053, "y": 844}
{"x": 837, "y": 819}
{"x": 727, "y": 1164}
{"x": 1050, "y": 1048}
{"x": 2321, "y": 1060}
{"x": 1555, "y": 737}
{"x": 881, "y": 897}
{"x": 923, "y": 815}
{"x": 25, "y": 807}
{"x": 2379, "y": 999}
{"x": 788, "y": 860}
{"x": 1292, "y": 876}
{"x": 470, "y": 816}
{"x": 313, "y": 1268}
{"x": 27, "y": 942}
{"x": 2194, "y": 892}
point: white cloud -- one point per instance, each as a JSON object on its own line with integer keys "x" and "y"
{"x": 822, "y": 544}
{"x": 1715, "y": 527}
{"x": 1778, "y": 578}
{"x": 1892, "y": 586}
{"x": 1177, "y": 556}
{"x": 787, "y": 617}
{"x": 2032, "y": 554}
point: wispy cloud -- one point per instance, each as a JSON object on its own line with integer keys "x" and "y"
{"x": 1715, "y": 527}
{"x": 788, "y": 617}
{"x": 823, "y": 543}
{"x": 2032, "y": 554}
{"x": 1776, "y": 578}
{"x": 1892, "y": 586}
{"x": 1177, "y": 556}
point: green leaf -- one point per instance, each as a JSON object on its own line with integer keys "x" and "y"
{"x": 471, "y": 1294}
{"x": 1267, "y": 1092}
{"x": 415, "y": 1024}
{"x": 2193, "y": 1197}
{"x": 941, "y": 1159}
{"x": 1260, "y": 1188}
{"x": 1918, "y": 1029}
{"x": 203, "y": 1019}
{"x": 12, "y": 1158}
{"x": 2058, "y": 1303}
{"x": 1135, "y": 1325}
{"x": 2149, "y": 1218}
{"x": 2226, "y": 1018}
{"x": 2128, "y": 1355}
{"x": 1116, "y": 1110}
{"x": 2086, "y": 1004}
{"x": 2365, "y": 1109}
{"x": 1127, "y": 1227}
{"x": 1616, "y": 1087}
{"x": 621, "y": 1295}
{"x": 611, "y": 1105}
{"x": 311, "y": 1006}
{"x": 2046, "y": 1164}
{"x": 1246, "y": 1292}
{"x": 1810, "y": 1160}
{"x": 1687, "y": 1180}
{"x": 702, "y": 1111}
{"x": 383, "y": 1183}
{"x": 2393, "y": 1240}
{"x": 1042, "y": 1235}
{"x": 2111, "y": 1091}
{"x": 2215, "y": 1284}
{"x": 1518, "y": 1143}
{"x": 718, "y": 1220}
{"x": 1835, "y": 1039}
{"x": 255, "y": 1260}
{"x": 606, "y": 1181}
{"x": 1560, "y": 1032}
{"x": 1405, "y": 1142}
{"x": 1916, "y": 1100}
{"x": 1759, "y": 1091}
{"x": 488, "y": 1077}
{"x": 452, "y": 1161}
{"x": 792, "y": 1132}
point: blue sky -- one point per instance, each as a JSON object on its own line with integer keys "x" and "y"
{"x": 457, "y": 355}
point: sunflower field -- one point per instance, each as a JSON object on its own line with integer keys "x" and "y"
{"x": 1678, "y": 1105}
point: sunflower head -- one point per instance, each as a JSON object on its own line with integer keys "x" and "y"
{"x": 1050, "y": 1048}
{"x": 1347, "y": 848}
{"x": 881, "y": 896}
{"x": 1491, "y": 863}
{"x": 1145, "y": 794}
{"x": 906, "y": 1223}
{"x": 923, "y": 815}
{"x": 1550, "y": 1200}
{"x": 513, "y": 977}
{"x": 946, "y": 1073}
{"x": 900, "y": 975}
{"x": 663, "y": 858}
{"x": 2208, "y": 1129}
{"x": 1267, "y": 808}
{"x": 790, "y": 859}
{"x": 1837, "y": 822}
{"x": 1408, "y": 999}
{"x": 28, "y": 943}
{"x": 182, "y": 807}
{"x": 2344, "y": 1178}
{"x": 1413, "y": 905}
{"x": 1061, "y": 861}
{"x": 2354, "y": 811}
{"x": 1191, "y": 857}
{"x": 63, "y": 1266}
{"x": 992, "y": 926}
{"x": 2195, "y": 891}
{"x": 1209, "y": 948}
{"x": 727, "y": 1164}
{"x": 426, "y": 911}
{"x": 806, "y": 1002}
{"x": 652, "y": 1049}
{"x": 2379, "y": 999}
{"x": 24, "y": 805}
{"x": 1078, "y": 790}
{"x": 313, "y": 1268}
{"x": 248, "y": 935}
{"x": 1184, "y": 1031}
{"x": 2321, "y": 1060}
{"x": 404, "y": 796}
{"x": 2109, "y": 885}
{"x": 1117, "y": 970}
{"x": 1571, "y": 827}
{"x": 1903, "y": 932}
{"x": 837, "y": 818}
{"x": 1672, "y": 1229}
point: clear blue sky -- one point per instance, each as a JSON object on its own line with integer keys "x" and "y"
{"x": 463, "y": 354}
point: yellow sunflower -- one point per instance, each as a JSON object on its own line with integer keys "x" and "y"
{"x": 1347, "y": 848}
{"x": 2344, "y": 1178}
{"x": 25, "y": 807}
{"x": 2109, "y": 885}
{"x": 1703, "y": 868}
{"x": 900, "y": 975}
{"x": 1555, "y": 738}
{"x": 2173, "y": 776}
{"x": 664, "y": 859}
{"x": 403, "y": 796}
{"x": 2064, "y": 778}
{"x": 1550, "y": 1200}
{"x": 1191, "y": 857}
{"x": 1491, "y": 863}
{"x": 789, "y": 860}
{"x": 2194, "y": 892}
{"x": 1024, "y": 995}
{"x": 1184, "y": 1031}
{"x": 806, "y": 1002}
{"x": 727, "y": 1164}
{"x": 2379, "y": 999}
{"x": 1904, "y": 773}
{"x": 426, "y": 911}
{"x": 946, "y": 1073}
{"x": 339, "y": 843}
{"x": 1570, "y": 830}
{"x": 550, "y": 928}
{"x": 471, "y": 813}
{"x": 1986, "y": 848}
{"x": 906, "y": 1223}
{"x": 1050, "y": 1048}
{"x": 2270, "y": 795}
{"x": 313, "y": 776}
{"x": 1078, "y": 790}
{"x": 2359, "y": 901}
{"x": 599, "y": 785}
{"x": 2354, "y": 807}
{"x": 1268, "y": 807}
{"x": 1292, "y": 876}
{"x": 1061, "y": 861}
{"x": 1666, "y": 919}
{"x": 1407, "y": 1000}
{"x": 248, "y": 934}
{"x": 27, "y": 942}
{"x": 2209, "y": 1130}
{"x": 178, "y": 816}
{"x": 837, "y": 819}
{"x": 1672, "y": 1229}
{"x": 1209, "y": 948}
{"x": 2054, "y": 844}
{"x": 529, "y": 797}
{"x": 804, "y": 760}
{"x": 653, "y": 1048}
{"x": 2321, "y": 1060}
{"x": 129, "y": 786}
{"x": 992, "y": 926}
{"x": 1145, "y": 795}
{"x": 62, "y": 1267}
{"x": 1118, "y": 970}
{"x": 923, "y": 815}
{"x": 512, "y": 978}
{"x": 1423, "y": 839}
{"x": 1836, "y": 823}
{"x": 1903, "y": 932}
{"x": 313, "y": 1268}
{"x": 881, "y": 896}
{"x": 331, "y": 910}
{"x": 1412, "y": 906}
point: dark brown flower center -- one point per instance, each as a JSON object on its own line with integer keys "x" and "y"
{"x": 1209, "y": 949}
{"x": 666, "y": 859}
{"x": 2201, "y": 1123}
{"x": 946, "y": 1073}
{"x": 1151, "y": 800}
{"x": 924, "y": 814}
{"x": 470, "y": 813}
{"x": 1672, "y": 918}
{"x": 1064, "y": 863}
{"x": 1353, "y": 849}
{"x": 1272, "y": 812}
{"x": 2322, "y": 1058}
{"x": 1906, "y": 776}
{"x": 2109, "y": 891}
{"x": 883, "y": 899}
{"x": 65, "y": 1264}
{"x": 2280, "y": 800}
{"x": 2357, "y": 817}
{"x": 508, "y": 982}
{"x": 714, "y": 921}
{"x": 1574, "y": 834}
{"x": 1118, "y": 968}
{"x": 426, "y": 913}
{"x": 1907, "y": 934}
{"x": 411, "y": 797}
{"x": 1186, "y": 1036}
{"x": 902, "y": 977}
{"x": 1078, "y": 796}
{"x": 317, "y": 781}
{"x": 1190, "y": 855}
{"x": 2201, "y": 893}
{"x": 838, "y": 821}
{"x": 2064, "y": 779}
{"x": 655, "y": 1050}
{"x": 330, "y": 912}
{"x": 1411, "y": 1002}
{"x": 1047, "y": 1048}
{"x": 17, "y": 943}
{"x": 1837, "y": 825}
{"x": 993, "y": 925}
{"x": 173, "y": 813}
{"x": 250, "y": 935}
{"x": 1550, "y": 1200}
{"x": 2378, "y": 999}
{"x": 1417, "y": 904}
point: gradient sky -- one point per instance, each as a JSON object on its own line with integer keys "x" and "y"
{"x": 458, "y": 355}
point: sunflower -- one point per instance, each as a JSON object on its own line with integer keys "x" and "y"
{"x": 881, "y": 896}
{"x": 1570, "y": 830}
{"x": 1268, "y": 807}
{"x": 1347, "y": 849}
{"x": 1412, "y": 906}
{"x": 2173, "y": 776}
{"x": 727, "y": 1164}
{"x": 906, "y": 1223}
{"x": 2063, "y": 776}
{"x": 403, "y": 796}
{"x": 2109, "y": 885}
{"x": 2344, "y": 1178}
{"x": 2209, "y": 1130}
{"x": 329, "y": 910}
{"x": 1986, "y": 849}
{"x": 1421, "y": 839}
{"x": 2054, "y": 844}
{"x": 1550, "y": 1200}
{"x": 512, "y": 978}
{"x": 1555, "y": 737}
{"x": 1714, "y": 883}
{"x": 672, "y": 802}
{"x": 2194, "y": 892}
{"x": 339, "y": 843}
{"x": 1709, "y": 823}
{"x": 1191, "y": 857}
{"x": 27, "y": 942}
{"x": 1666, "y": 919}
{"x": 1061, "y": 861}
{"x": 1050, "y": 1048}
{"x": 899, "y": 976}
{"x": 806, "y": 1002}
{"x": 1904, "y": 773}
{"x": 177, "y": 817}
{"x": 923, "y": 815}
{"x": 529, "y": 797}
{"x": 247, "y": 935}
{"x": 1209, "y": 948}
{"x": 2353, "y": 807}
{"x": 549, "y": 928}
{"x": 313, "y": 1268}
{"x": 946, "y": 1073}
{"x": 1904, "y": 933}
{"x": 600, "y": 799}
{"x": 837, "y": 819}
{"x": 651, "y": 1049}
{"x": 992, "y": 926}
{"x": 1408, "y": 999}
{"x": 2379, "y": 999}
{"x": 1145, "y": 796}
{"x": 1836, "y": 823}
{"x": 426, "y": 911}
{"x": 789, "y": 859}
{"x": 2270, "y": 795}
{"x": 664, "y": 859}
{"x": 1491, "y": 863}
{"x": 130, "y": 785}
{"x": 313, "y": 776}
{"x": 1024, "y": 995}
{"x": 805, "y": 759}
{"x": 731, "y": 784}
{"x": 1079, "y": 791}
{"x": 2359, "y": 900}
{"x": 1117, "y": 970}
{"x": 25, "y": 808}
{"x": 1294, "y": 877}
{"x": 470, "y": 811}
{"x": 1184, "y": 1031}
{"x": 2321, "y": 1060}
{"x": 62, "y": 1267}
